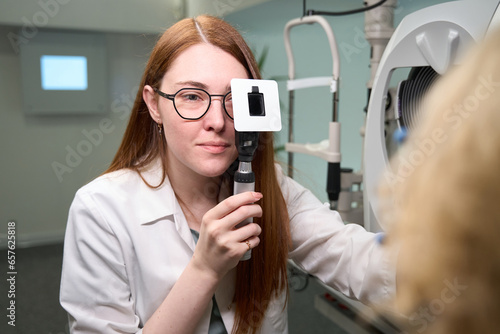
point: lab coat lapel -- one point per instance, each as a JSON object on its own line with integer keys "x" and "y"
{"x": 182, "y": 226}
{"x": 224, "y": 296}
{"x": 165, "y": 203}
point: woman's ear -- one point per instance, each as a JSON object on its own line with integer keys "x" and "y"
{"x": 149, "y": 96}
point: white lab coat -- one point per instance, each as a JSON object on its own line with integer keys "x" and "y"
{"x": 126, "y": 244}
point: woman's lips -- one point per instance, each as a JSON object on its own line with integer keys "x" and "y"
{"x": 214, "y": 147}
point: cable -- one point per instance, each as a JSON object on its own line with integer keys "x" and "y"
{"x": 348, "y": 12}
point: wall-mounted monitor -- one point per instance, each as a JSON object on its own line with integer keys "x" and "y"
{"x": 64, "y": 73}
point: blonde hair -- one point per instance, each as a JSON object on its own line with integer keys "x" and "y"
{"x": 443, "y": 203}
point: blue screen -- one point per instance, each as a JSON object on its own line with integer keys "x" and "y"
{"x": 64, "y": 72}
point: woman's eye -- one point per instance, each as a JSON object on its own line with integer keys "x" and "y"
{"x": 191, "y": 97}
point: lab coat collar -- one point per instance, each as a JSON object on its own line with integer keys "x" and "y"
{"x": 161, "y": 201}
{"x": 164, "y": 201}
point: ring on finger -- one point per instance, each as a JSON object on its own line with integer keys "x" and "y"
{"x": 248, "y": 244}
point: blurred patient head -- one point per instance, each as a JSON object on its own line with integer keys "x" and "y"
{"x": 442, "y": 198}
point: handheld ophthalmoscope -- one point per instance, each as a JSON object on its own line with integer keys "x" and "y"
{"x": 255, "y": 109}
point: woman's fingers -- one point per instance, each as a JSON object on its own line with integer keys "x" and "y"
{"x": 233, "y": 203}
{"x": 221, "y": 245}
{"x": 227, "y": 215}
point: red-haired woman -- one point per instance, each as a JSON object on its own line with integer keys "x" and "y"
{"x": 151, "y": 245}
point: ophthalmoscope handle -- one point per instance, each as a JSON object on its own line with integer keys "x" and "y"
{"x": 244, "y": 180}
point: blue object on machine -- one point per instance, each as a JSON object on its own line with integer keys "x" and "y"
{"x": 400, "y": 135}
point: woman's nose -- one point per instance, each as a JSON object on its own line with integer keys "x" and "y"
{"x": 215, "y": 118}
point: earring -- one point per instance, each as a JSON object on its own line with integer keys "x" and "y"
{"x": 159, "y": 127}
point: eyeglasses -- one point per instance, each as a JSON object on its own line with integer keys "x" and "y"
{"x": 193, "y": 103}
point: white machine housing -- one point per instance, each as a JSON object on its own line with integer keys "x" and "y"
{"x": 436, "y": 36}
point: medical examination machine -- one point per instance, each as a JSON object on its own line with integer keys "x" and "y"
{"x": 428, "y": 42}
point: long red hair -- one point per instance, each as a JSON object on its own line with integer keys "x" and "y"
{"x": 264, "y": 276}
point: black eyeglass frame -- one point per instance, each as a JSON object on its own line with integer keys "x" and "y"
{"x": 171, "y": 97}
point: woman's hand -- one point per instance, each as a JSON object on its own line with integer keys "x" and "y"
{"x": 221, "y": 245}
